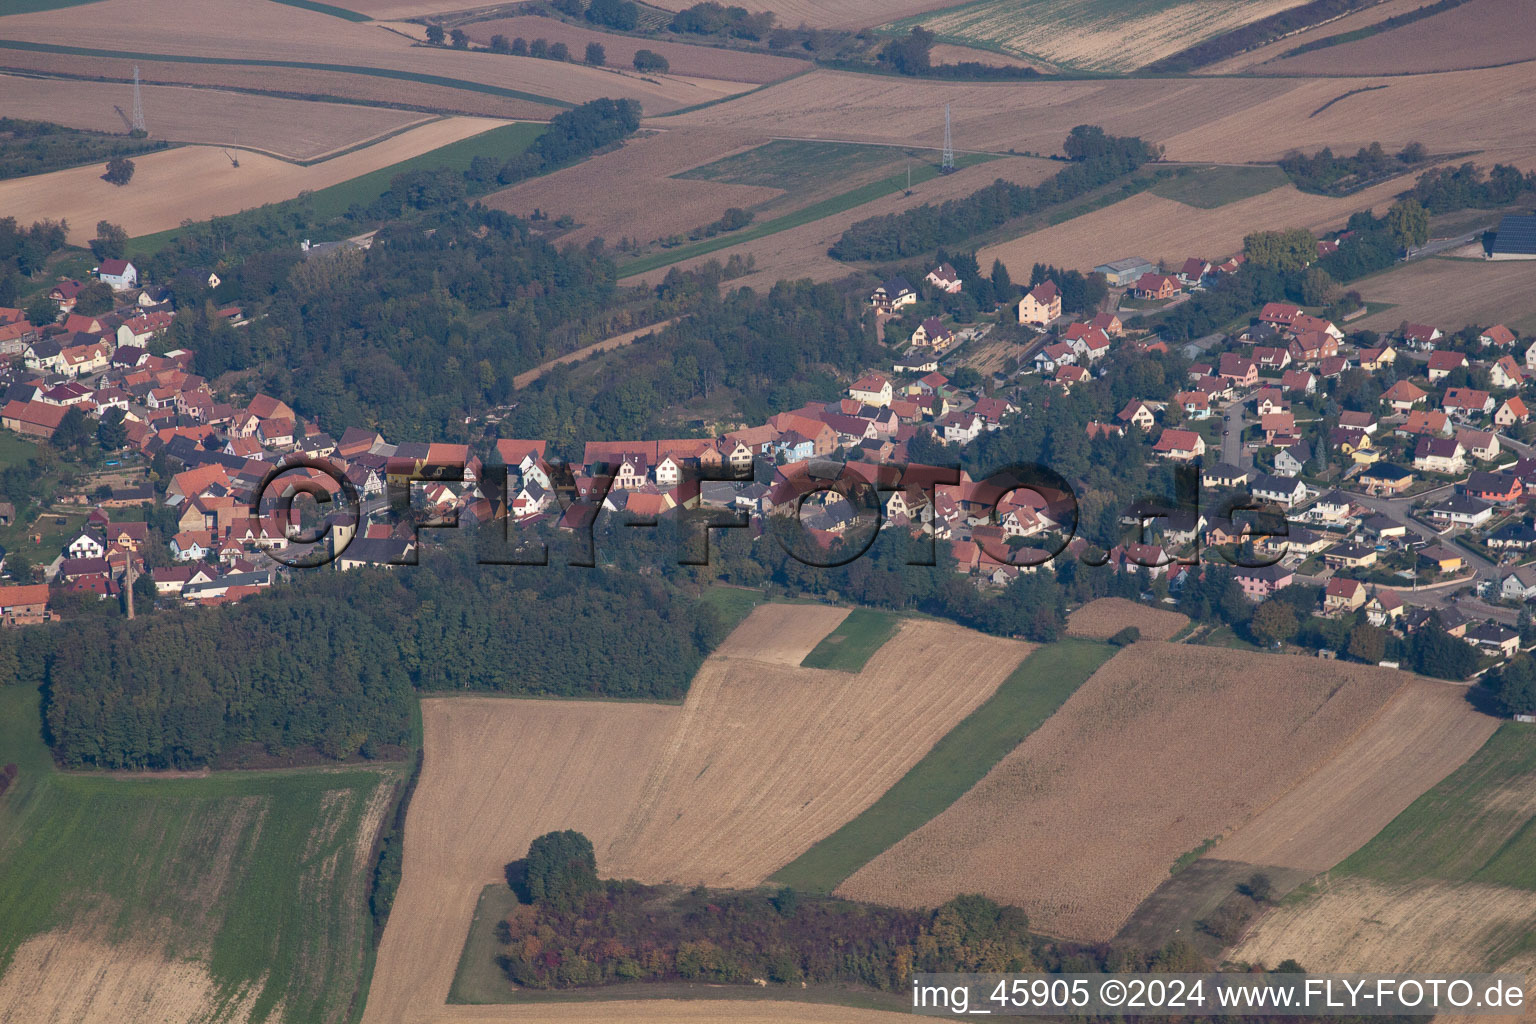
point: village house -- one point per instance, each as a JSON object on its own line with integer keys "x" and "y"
{"x": 1156, "y": 287}
{"x": 1286, "y": 493}
{"x": 1482, "y": 445}
{"x": 118, "y": 274}
{"x": 1042, "y": 305}
{"x": 1466, "y": 403}
{"x": 1461, "y": 510}
{"x": 1510, "y": 412}
{"x": 1385, "y": 478}
{"x": 1243, "y": 373}
{"x": 1420, "y": 336}
{"x": 1290, "y": 462}
{"x": 1179, "y": 445}
{"x": 1498, "y": 336}
{"x": 1261, "y": 582}
{"x": 1439, "y": 455}
{"x": 1342, "y": 597}
{"x": 945, "y": 279}
{"x": 1138, "y": 414}
{"x": 871, "y": 389}
{"x": 892, "y": 295}
{"x": 1493, "y": 638}
{"x": 23, "y": 605}
{"x": 1383, "y": 609}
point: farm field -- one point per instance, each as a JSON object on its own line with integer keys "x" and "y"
{"x": 291, "y": 129}
{"x": 1156, "y": 228}
{"x": 950, "y": 53}
{"x": 1165, "y": 761}
{"x": 499, "y": 772}
{"x": 198, "y": 182}
{"x": 223, "y": 897}
{"x": 1449, "y": 882}
{"x": 1349, "y": 23}
{"x": 1478, "y": 34}
{"x": 1197, "y": 119}
{"x": 854, "y": 14}
{"x": 766, "y": 759}
{"x": 848, "y": 647}
{"x": 801, "y": 250}
{"x": 1218, "y": 185}
{"x": 632, "y": 192}
{"x": 664, "y": 1011}
{"x": 310, "y": 83}
{"x": 1426, "y": 732}
{"x": 1029, "y": 696}
{"x": 1097, "y": 35}
{"x": 271, "y": 32}
{"x": 1471, "y": 291}
{"x": 685, "y": 58}
{"x": 1102, "y": 619}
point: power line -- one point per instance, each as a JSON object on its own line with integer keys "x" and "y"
{"x": 138, "y": 104}
{"x": 948, "y": 164}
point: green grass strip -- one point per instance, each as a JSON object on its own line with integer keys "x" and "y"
{"x": 335, "y": 12}
{"x": 816, "y": 211}
{"x": 848, "y": 647}
{"x": 1029, "y": 696}
{"x": 349, "y": 69}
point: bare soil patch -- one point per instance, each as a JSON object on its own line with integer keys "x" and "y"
{"x": 1165, "y": 748}
{"x": 766, "y": 759}
{"x": 1353, "y": 924}
{"x": 630, "y": 192}
{"x": 1102, "y": 619}
{"x": 197, "y": 182}
{"x": 685, "y": 58}
{"x": 295, "y": 129}
{"x": 1468, "y": 292}
{"x": 1426, "y": 732}
{"x": 497, "y": 773}
{"x": 1477, "y": 34}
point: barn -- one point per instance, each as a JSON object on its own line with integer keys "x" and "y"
{"x": 1516, "y": 238}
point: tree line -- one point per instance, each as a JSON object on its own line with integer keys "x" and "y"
{"x": 329, "y": 664}
{"x": 1096, "y": 159}
{"x": 1255, "y": 34}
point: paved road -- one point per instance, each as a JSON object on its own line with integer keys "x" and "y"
{"x": 1438, "y": 245}
{"x": 1233, "y": 451}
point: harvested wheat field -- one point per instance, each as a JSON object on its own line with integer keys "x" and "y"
{"x": 1353, "y": 924}
{"x": 279, "y": 32}
{"x": 1425, "y": 733}
{"x": 1477, "y": 34}
{"x": 1164, "y": 229}
{"x": 1163, "y": 749}
{"x": 497, "y": 773}
{"x": 1479, "y": 292}
{"x": 949, "y": 53}
{"x": 801, "y": 251}
{"x": 630, "y": 192}
{"x": 667, "y": 1011}
{"x": 1102, "y": 619}
{"x": 685, "y": 59}
{"x": 198, "y": 182}
{"x": 1100, "y": 35}
{"x": 782, "y": 634}
{"x": 1030, "y": 116}
{"x": 767, "y": 759}
{"x": 291, "y": 129}
{"x": 852, "y": 14}
{"x": 1362, "y": 18}
{"x": 353, "y": 90}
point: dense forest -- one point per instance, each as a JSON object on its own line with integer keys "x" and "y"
{"x": 1446, "y": 189}
{"x": 428, "y": 325}
{"x": 329, "y": 662}
{"x": 1096, "y": 159}
{"x": 23, "y": 252}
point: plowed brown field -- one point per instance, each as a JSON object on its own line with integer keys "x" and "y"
{"x": 1477, "y": 34}
{"x": 198, "y": 182}
{"x": 686, "y": 59}
{"x": 767, "y": 758}
{"x": 295, "y": 129}
{"x": 1426, "y": 732}
{"x": 1155, "y": 228}
{"x": 1471, "y": 292}
{"x": 802, "y": 251}
{"x": 630, "y": 192}
{"x": 1163, "y": 749}
{"x": 1102, "y": 619}
{"x": 271, "y": 31}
